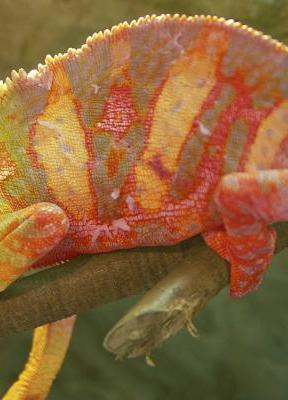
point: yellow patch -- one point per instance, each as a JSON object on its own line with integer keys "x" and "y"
{"x": 188, "y": 84}
{"x": 5, "y": 207}
{"x": 176, "y": 108}
{"x": 60, "y": 144}
{"x": 272, "y": 131}
{"x": 150, "y": 188}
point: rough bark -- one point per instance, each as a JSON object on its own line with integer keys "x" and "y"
{"x": 89, "y": 281}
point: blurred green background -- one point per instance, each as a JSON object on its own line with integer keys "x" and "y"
{"x": 242, "y": 352}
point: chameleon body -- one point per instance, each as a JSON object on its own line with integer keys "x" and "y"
{"x": 149, "y": 134}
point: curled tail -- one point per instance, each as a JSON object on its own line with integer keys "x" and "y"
{"x": 50, "y": 343}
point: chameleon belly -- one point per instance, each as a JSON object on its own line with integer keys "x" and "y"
{"x": 131, "y": 134}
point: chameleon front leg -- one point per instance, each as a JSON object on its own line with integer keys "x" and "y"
{"x": 248, "y": 203}
{"x": 25, "y": 236}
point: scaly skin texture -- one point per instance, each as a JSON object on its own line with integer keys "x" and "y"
{"x": 148, "y": 135}
{"x": 49, "y": 348}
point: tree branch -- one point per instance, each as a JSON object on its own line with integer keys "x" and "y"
{"x": 89, "y": 281}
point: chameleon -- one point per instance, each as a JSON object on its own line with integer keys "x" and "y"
{"x": 149, "y": 134}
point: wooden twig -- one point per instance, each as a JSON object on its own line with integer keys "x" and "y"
{"x": 89, "y": 281}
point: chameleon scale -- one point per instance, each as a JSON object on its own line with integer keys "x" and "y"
{"x": 147, "y": 135}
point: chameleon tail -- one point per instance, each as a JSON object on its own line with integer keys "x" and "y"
{"x": 50, "y": 343}
{"x": 27, "y": 235}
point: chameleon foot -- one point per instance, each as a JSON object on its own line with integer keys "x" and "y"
{"x": 26, "y": 236}
{"x": 248, "y": 203}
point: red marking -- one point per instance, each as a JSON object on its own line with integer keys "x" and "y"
{"x": 118, "y": 113}
{"x": 157, "y": 166}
